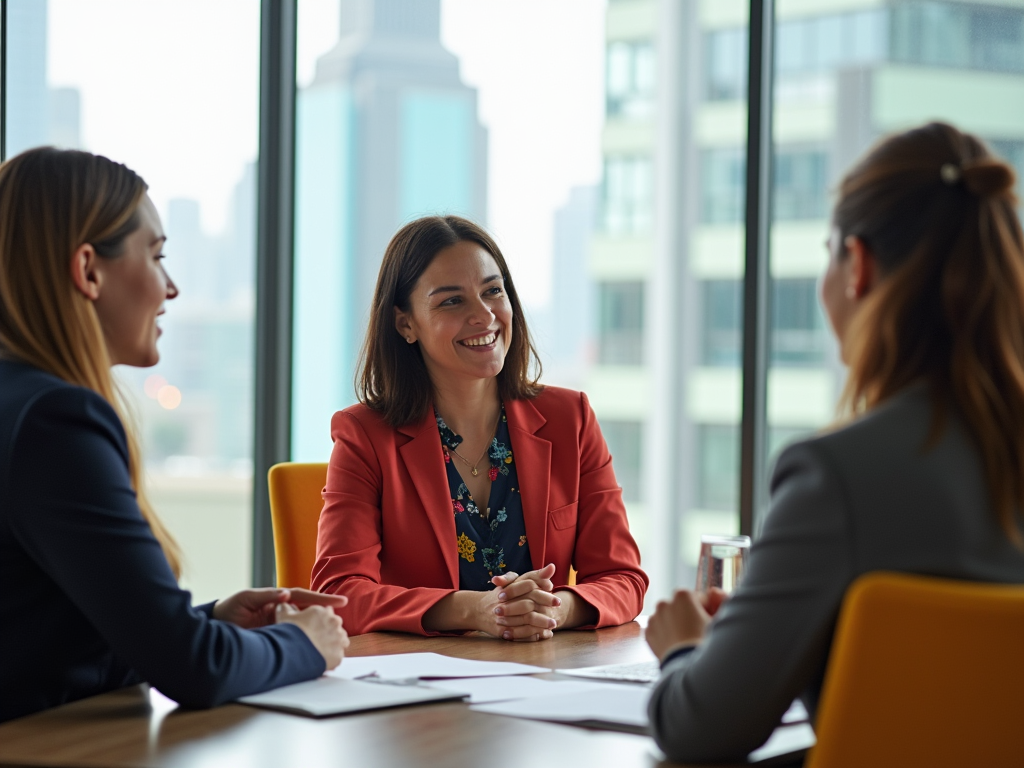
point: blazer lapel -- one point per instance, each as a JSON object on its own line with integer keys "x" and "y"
{"x": 425, "y": 463}
{"x": 532, "y": 455}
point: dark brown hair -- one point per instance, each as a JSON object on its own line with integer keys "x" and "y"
{"x": 51, "y": 203}
{"x": 394, "y": 379}
{"x": 937, "y": 211}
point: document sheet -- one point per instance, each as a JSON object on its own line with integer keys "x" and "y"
{"x": 486, "y": 690}
{"x": 425, "y": 666}
{"x": 331, "y": 696}
{"x": 603, "y": 704}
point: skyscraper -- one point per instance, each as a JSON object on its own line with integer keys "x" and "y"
{"x": 387, "y": 132}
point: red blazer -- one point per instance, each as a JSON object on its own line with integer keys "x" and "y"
{"x": 387, "y": 531}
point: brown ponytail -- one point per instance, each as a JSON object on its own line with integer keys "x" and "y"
{"x": 937, "y": 211}
{"x": 51, "y": 202}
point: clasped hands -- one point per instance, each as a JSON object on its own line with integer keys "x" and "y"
{"x": 253, "y": 608}
{"x": 521, "y": 607}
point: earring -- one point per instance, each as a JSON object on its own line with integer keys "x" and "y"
{"x": 410, "y": 340}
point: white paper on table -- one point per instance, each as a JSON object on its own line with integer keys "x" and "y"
{"x": 328, "y": 696}
{"x": 426, "y": 666}
{"x": 622, "y": 705}
{"x": 785, "y": 739}
{"x": 486, "y": 690}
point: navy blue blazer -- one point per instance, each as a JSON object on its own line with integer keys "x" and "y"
{"x": 88, "y": 602}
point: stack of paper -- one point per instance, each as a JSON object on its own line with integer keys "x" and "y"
{"x": 330, "y": 696}
{"x": 486, "y": 690}
{"x": 601, "y": 705}
{"x": 425, "y": 666}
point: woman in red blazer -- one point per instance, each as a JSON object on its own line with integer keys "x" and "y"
{"x": 451, "y": 417}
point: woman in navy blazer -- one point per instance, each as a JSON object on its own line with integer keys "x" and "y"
{"x": 91, "y": 600}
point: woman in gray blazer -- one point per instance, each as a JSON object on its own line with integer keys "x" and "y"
{"x": 925, "y": 474}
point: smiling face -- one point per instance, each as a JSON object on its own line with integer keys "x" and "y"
{"x": 460, "y": 315}
{"x": 132, "y": 289}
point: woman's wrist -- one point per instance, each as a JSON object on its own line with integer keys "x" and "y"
{"x": 574, "y": 611}
{"x": 455, "y": 612}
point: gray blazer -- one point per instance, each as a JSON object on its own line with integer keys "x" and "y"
{"x": 867, "y": 497}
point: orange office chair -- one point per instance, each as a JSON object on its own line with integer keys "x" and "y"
{"x": 295, "y": 505}
{"x": 924, "y": 672}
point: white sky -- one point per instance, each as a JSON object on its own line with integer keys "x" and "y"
{"x": 171, "y": 89}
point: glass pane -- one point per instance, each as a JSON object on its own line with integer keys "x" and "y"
{"x": 893, "y": 68}
{"x": 176, "y": 101}
{"x": 563, "y": 157}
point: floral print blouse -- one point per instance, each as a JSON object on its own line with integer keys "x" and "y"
{"x": 492, "y": 540}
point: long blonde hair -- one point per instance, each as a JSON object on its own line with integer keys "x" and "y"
{"x": 938, "y": 212}
{"x": 52, "y": 202}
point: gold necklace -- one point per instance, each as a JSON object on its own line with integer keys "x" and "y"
{"x": 473, "y": 466}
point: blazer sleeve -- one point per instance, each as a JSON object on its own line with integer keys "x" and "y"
{"x": 349, "y": 541}
{"x": 74, "y": 512}
{"x": 770, "y": 640}
{"x": 606, "y": 557}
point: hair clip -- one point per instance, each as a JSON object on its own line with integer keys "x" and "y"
{"x": 950, "y": 173}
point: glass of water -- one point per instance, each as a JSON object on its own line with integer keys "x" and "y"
{"x": 722, "y": 560}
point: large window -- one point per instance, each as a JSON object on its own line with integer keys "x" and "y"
{"x": 176, "y": 101}
{"x": 610, "y": 164}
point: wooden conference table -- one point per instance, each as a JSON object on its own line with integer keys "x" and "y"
{"x": 135, "y": 727}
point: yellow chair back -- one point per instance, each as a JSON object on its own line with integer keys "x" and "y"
{"x": 295, "y": 505}
{"x": 924, "y": 672}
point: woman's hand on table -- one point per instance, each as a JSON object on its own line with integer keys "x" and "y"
{"x": 253, "y": 608}
{"x": 683, "y": 620}
{"x": 322, "y": 626}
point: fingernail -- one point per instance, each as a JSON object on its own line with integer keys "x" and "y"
{"x": 501, "y": 595}
{"x": 501, "y": 622}
{"x": 499, "y": 611}
{"x": 558, "y": 602}
{"x": 552, "y": 623}
{"x": 507, "y": 635}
